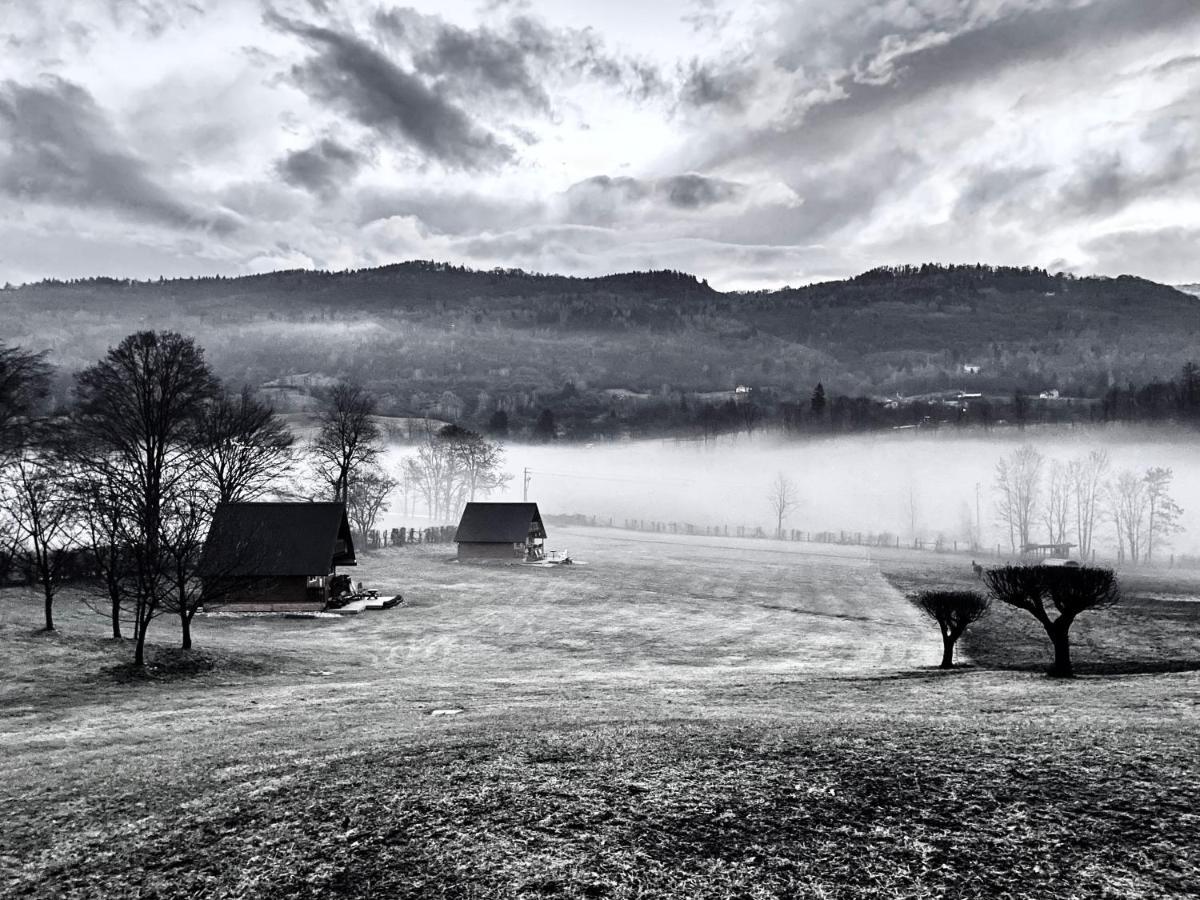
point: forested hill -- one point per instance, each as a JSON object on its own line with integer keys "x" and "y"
{"x": 418, "y": 330}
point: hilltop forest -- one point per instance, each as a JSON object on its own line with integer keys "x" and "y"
{"x": 500, "y": 347}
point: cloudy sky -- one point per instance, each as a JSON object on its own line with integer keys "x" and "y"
{"x": 754, "y": 143}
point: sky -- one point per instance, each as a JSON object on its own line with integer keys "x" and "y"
{"x": 754, "y": 143}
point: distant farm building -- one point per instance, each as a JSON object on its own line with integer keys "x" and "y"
{"x": 970, "y": 369}
{"x": 501, "y": 531}
{"x": 275, "y": 556}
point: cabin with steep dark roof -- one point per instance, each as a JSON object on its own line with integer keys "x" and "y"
{"x": 511, "y": 532}
{"x": 275, "y": 557}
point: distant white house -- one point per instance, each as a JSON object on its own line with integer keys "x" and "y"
{"x": 970, "y": 369}
{"x": 742, "y": 389}
{"x": 1051, "y": 394}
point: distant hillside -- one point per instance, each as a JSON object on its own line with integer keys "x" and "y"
{"x": 450, "y": 341}
{"x": 1193, "y": 289}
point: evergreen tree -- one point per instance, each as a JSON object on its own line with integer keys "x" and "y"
{"x": 818, "y": 400}
{"x": 545, "y": 430}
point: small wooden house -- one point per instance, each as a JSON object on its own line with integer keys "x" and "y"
{"x": 275, "y": 556}
{"x": 501, "y": 531}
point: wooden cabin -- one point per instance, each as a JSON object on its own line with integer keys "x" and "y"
{"x": 510, "y": 532}
{"x": 274, "y": 557}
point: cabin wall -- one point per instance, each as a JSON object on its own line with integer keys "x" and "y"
{"x": 282, "y": 594}
{"x": 505, "y": 551}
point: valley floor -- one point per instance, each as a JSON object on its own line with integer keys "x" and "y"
{"x": 671, "y": 717}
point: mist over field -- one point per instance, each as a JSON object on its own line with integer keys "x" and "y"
{"x": 867, "y": 483}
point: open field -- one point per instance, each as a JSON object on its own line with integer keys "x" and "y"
{"x": 672, "y": 718}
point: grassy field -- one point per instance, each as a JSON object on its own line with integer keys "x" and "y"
{"x": 672, "y": 718}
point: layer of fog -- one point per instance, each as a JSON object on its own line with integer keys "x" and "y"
{"x": 911, "y": 484}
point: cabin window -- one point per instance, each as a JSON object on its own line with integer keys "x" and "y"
{"x": 316, "y": 581}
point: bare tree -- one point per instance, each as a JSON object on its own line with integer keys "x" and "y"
{"x": 347, "y": 436}
{"x": 480, "y": 464}
{"x": 433, "y": 473}
{"x": 1069, "y": 591}
{"x": 242, "y": 447}
{"x": 135, "y": 424}
{"x": 954, "y": 612}
{"x": 186, "y": 520}
{"x": 1018, "y": 479}
{"x": 1162, "y": 510}
{"x": 101, "y": 518}
{"x": 370, "y": 489}
{"x": 24, "y": 383}
{"x": 1127, "y": 509}
{"x": 783, "y": 498}
{"x": 454, "y": 465}
{"x": 1087, "y": 487}
{"x": 1056, "y": 514}
{"x": 43, "y": 514}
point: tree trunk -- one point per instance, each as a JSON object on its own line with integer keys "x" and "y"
{"x": 116, "y": 617}
{"x": 49, "y": 595}
{"x": 142, "y": 622}
{"x": 1060, "y": 637}
{"x": 186, "y": 620}
{"x": 947, "y": 652}
{"x": 139, "y": 653}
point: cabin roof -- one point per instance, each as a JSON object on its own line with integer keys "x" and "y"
{"x": 499, "y": 523}
{"x": 277, "y": 539}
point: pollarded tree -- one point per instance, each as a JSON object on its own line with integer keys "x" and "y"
{"x": 1065, "y": 591}
{"x": 954, "y": 612}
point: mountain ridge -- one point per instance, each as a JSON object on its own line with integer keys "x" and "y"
{"x": 506, "y": 338}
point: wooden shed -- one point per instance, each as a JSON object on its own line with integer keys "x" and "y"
{"x": 501, "y": 531}
{"x": 275, "y": 556}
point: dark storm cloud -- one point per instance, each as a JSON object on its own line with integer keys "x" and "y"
{"x": 57, "y": 146}
{"x": 516, "y": 60}
{"x": 321, "y": 168}
{"x": 482, "y": 61}
{"x": 604, "y": 199}
{"x": 352, "y": 74}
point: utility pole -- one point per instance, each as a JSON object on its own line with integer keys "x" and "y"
{"x": 525, "y": 490}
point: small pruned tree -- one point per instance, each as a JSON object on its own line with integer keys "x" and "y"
{"x": 1066, "y": 591}
{"x": 954, "y": 612}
